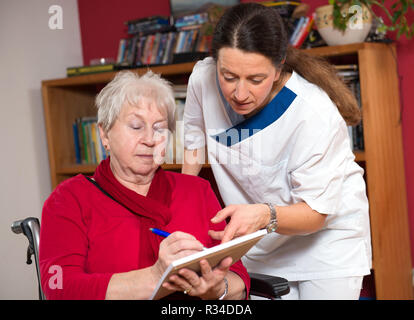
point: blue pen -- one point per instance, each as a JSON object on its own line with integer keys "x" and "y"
{"x": 159, "y": 232}
{"x": 164, "y": 234}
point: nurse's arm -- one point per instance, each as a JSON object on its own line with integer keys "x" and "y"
{"x": 193, "y": 161}
{"x": 295, "y": 219}
{"x": 298, "y": 219}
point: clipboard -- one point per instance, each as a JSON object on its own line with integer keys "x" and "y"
{"x": 235, "y": 248}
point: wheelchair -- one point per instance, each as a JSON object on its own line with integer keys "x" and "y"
{"x": 265, "y": 286}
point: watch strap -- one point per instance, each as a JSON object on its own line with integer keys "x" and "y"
{"x": 272, "y": 226}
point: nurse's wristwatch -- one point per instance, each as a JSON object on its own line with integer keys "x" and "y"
{"x": 272, "y": 226}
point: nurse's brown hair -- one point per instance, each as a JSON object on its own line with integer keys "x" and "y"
{"x": 252, "y": 27}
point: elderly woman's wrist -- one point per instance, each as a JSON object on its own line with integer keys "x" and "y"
{"x": 156, "y": 273}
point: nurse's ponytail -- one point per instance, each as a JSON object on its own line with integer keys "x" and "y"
{"x": 252, "y": 27}
{"x": 320, "y": 72}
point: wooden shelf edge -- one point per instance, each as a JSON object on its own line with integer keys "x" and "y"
{"x": 352, "y": 48}
{"x": 73, "y": 169}
{"x": 105, "y": 77}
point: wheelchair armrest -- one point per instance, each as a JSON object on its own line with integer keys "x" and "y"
{"x": 267, "y": 286}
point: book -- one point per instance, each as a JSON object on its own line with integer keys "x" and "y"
{"x": 76, "y": 142}
{"x": 194, "y": 19}
{"x": 81, "y": 70}
{"x": 295, "y": 32}
{"x": 148, "y": 24}
{"x": 300, "y": 31}
{"x": 87, "y": 141}
{"x": 121, "y": 50}
{"x": 235, "y": 248}
{"x": 303, "y": 33}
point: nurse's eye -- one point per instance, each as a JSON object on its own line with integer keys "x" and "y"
{"x": 229, "y": 79}
{"x": 256, "y": 81}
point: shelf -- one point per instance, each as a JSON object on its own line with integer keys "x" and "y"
{"x": 74, "y": 169}
{"x": 105, "y": 77}
{"x": 344, "y": 49}
{"x": 359, "y": 156}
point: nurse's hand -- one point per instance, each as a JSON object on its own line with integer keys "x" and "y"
{"x": 244, "y": 219}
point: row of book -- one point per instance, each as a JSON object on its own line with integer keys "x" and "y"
{"x": 155, "y": 40}
{"x": 175, "y": 148}
{"x": 299, "y": 23}
{"x": 160, "y": 48}
{"x": 87, "y": 141}
{"x": 350, "y": 75}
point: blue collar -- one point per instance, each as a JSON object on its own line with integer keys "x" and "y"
{"x": 265, "y": 117}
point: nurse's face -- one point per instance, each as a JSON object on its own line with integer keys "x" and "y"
{"x": 246, "y": 79}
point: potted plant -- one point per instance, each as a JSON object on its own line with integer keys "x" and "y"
{"x": 349, "y": 21}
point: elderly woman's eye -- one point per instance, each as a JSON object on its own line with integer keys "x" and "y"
{"x": 135, "y": 126}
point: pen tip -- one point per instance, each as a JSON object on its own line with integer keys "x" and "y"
{"x": 151, "y": 229}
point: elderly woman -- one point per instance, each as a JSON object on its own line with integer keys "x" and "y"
{"x": 95, "y": 241}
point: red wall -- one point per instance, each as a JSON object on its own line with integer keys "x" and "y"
{"x": 102, "y": 25}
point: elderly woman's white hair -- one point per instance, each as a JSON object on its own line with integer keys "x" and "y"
{"x": 129, "y": 87}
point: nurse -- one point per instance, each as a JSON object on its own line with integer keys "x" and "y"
{"x": 273, "y": 121}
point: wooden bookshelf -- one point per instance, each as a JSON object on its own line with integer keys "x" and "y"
{"x": 66, "y": 99}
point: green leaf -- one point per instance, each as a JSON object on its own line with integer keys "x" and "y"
{"x": 396, "y": 16}
{"x": 399, "y": 33}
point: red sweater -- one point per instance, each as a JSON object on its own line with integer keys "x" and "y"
{"x": 88, "y": 236}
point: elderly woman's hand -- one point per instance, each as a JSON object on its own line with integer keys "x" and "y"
{"x": 175, "y": 246}
{"x": 210, "y": 285}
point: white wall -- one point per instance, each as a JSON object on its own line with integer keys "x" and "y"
{"x": 29, "y": 52}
